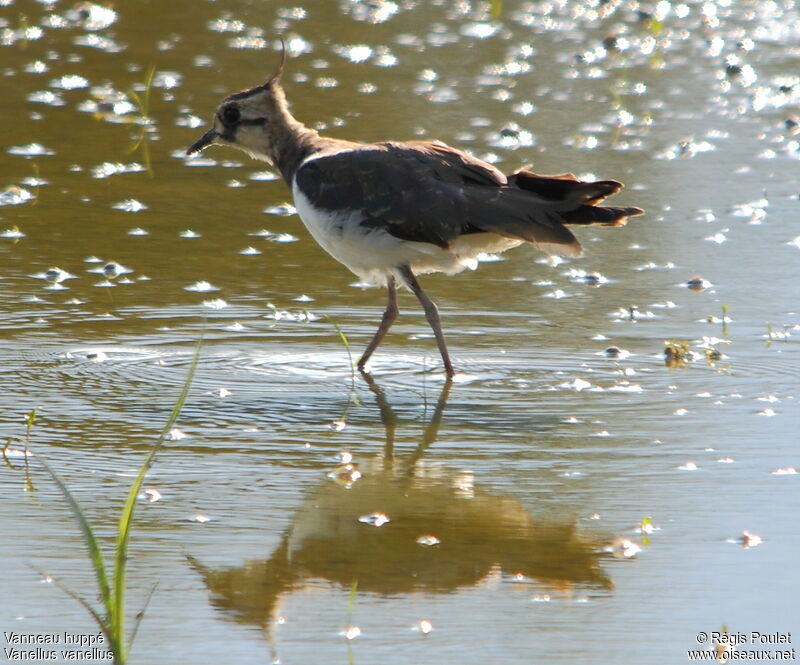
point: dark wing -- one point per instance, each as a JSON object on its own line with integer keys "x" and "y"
{"x": 429, "y": 192}
{"x": 414, "y": 191}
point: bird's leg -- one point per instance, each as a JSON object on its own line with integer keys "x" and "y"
{"x": 431, "y": 313}
{"x": 389, "y": 316}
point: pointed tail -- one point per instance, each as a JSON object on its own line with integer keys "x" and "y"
{"x": 576, "y": 201}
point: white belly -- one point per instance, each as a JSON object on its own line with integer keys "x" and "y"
{"x": 373, "y": 254}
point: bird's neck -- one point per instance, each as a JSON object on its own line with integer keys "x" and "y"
{"x": 289, "y": 141}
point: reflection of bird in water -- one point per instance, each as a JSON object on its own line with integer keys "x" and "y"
{"x": 443, "y": 534}
{"x": 390, "y": 211}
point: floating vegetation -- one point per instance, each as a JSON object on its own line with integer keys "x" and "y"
{"x": 152, "y": 494}
{"x": 224, "y": 24}
{"x": 749, "y": 540}
{"x": 111, "y": 270}
{"x": 30, "y": 150}
{"x": 779, "y": 335}
{"x": 632, "y": 313}
{"x": 718, "y": 238}
{"x": 356, "y": 53}
{"x": 91, "y": 16}
{"x": 352, "y": 632}
{"x": 99, "y": 42}
{"x": 345, "y": 475}
{"x": 423, "y": 626}
{"x": 511, "y": 137}
{"x": 589, "y": 278}
{"x": 650, "y": 265}
{"x": 247, "y": 42}
{"x": 216, "y": 303}
{"x": 371, "y": 11}
{"x": 264, "y": 176}
{"x": 176, "y": 434}
{"x": 110, "y": 105}
{"x": 282, "y": 210}
{"x": 13, "y": 233}
{"x": 167, "y": 80}
{"x": 14, "y": 195}
{"x": 686, "y": 148}
{"x": 54, "y": 275}
{"x": 70, "y": 82}
{"x": 202, "y": 287}
{"x": 107, "y": 169}
{"x": 678, "y": 353}
{"x": 47, "y": 97}
{"x": 576, "y": 384}
{"x": 338, "y": 425}
{"x": 129, "y": 205}
{"x": 298, "y": 315}
{"x": 374, "y": 519}
{"x": 624, "y": 548}
{"x": 698, "y": 284}
{"x": 646, "y": 526}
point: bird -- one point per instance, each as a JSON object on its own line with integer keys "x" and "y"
{"x": 392, "y": 210}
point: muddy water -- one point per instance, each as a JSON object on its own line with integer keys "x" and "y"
{"x": 518, "y": 497}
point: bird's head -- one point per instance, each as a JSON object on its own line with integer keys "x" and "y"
{"x": 246, "y": 119}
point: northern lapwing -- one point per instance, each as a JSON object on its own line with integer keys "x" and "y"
{"x": 390, "y": 211}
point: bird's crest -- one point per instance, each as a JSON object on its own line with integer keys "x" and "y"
{"x": 279, "y": 69}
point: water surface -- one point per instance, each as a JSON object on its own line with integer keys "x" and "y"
{"x": 543, "y": 457}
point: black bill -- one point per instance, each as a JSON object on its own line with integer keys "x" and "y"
{"x": 203, "y": 142}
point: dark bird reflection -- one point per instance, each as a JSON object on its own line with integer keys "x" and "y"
{"x": 443, "y": 534}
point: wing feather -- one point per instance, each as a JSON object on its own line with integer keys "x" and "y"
{"x": 429, "y": 192}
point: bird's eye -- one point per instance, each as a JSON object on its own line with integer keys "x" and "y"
{"x": 231, "y": 115}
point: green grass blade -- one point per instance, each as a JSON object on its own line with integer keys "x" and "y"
{"x": 126, "y": 517}
{"x": 148, "y": 86}
{"x": 351, "y": 599}
{"x": 343, "y": 338}
{"x": 95, "y": 554}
